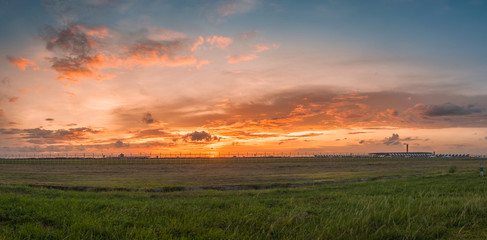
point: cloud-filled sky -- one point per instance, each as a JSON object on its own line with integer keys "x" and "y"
{"x": 167, "y": 76}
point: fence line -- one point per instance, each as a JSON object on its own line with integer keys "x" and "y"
{"x": 178, "y": 158}
{"x": 175, "y": 155}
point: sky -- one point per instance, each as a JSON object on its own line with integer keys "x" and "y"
{"x": 248, "y": 76}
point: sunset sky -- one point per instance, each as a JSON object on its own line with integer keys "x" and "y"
{"x": 330, "y": 76}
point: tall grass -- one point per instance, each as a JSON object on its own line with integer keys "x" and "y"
{"x": 450, "y": 206}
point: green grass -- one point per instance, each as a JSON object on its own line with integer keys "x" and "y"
{"x": 445, "y": 206}
{"x": 145, "y": 173}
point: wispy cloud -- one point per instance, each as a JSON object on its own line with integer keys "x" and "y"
{"x": 447, "y": 109}
{"x": 258, "y": 48}
{"x": 236, "y": 7}
{"x": 241, "y": 57}
{"x": 198, "y": 43}
{"x": 99, "y": 32}
{"x": 265, "y": 47}
{"x": 219, "y": 41}
{"x": 46, "y": 136}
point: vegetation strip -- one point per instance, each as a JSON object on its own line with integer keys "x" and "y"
{"x": 219, "y": 188}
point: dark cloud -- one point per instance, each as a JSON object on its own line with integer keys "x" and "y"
{"x": 199, "y": 136}
{"x": 69, "y": 40}
{"x": 381, "y": 128}
{"x": 49, "y": 119}
{"x": 120, "y": 144}
{"x": 361, "y": 142}
{"x": 83, "y": 51}
{"x": 309, "y": 109}
{"x": 353, "y": 133}
{"x": 287, "y": 140}
{"x": 154, "y": 133}
{"x": 77, "y": 56}
{"x": 44, "y": 136}
{"x": 409, "y": 139}
{"x": 396, "y": 140}
{"x": 147, "y": 118}
{"x": 393, "y": 140}
{"x": 393, "y": 112}
{"x": 303, "y": 135}
{"x": 447, "y": 109}
{"x": 10, "y": 131}
{"x": 147, "y": 49}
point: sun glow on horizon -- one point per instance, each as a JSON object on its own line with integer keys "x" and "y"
{"x": 112, "y": 76}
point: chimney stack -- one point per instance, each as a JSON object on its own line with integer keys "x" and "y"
{"x": 407, "y": 148}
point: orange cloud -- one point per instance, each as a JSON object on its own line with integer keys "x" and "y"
{"x": 99, "y": 32}
{"x": 390, "y": 113}
{"x": 297, "y": 114}
{"x": 77, "y": 53}
{"x": 22, "y": 63}
{"x": 151, "y": 53}
{"x": 350, "y": 96}
{"x": 88, "y": 67}
{"x": 181, "y": 61}
{"x": 219, "y": 41}
{"x": 81, "y": 54}
{"x": 239, "y": 58}
{"x": 265, "y": 47}
{"x": 2, "y": 112}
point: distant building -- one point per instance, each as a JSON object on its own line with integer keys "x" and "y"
{"x": 453, "y": 155}
{"x": 402, "y": 154}
{"x": 414, "y": 154}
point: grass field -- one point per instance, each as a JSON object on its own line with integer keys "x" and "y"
{"x": 439, "y": 205}
{"x": 146, "y": 173}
